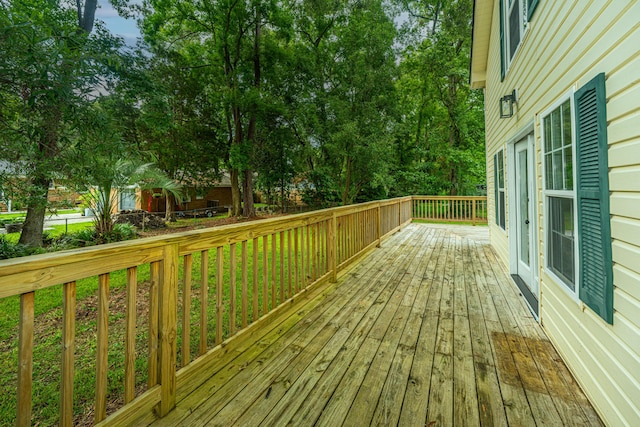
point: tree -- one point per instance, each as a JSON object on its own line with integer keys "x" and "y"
{"x": 178, "y": 120}
{"x": 50, "y": 69}
{"x": 345, "y": 110}
{"x": 109, "y": 179}
{"x": 441, "y": 132}
{"x": 225, "y": 38}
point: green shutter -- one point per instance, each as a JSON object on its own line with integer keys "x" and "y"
{"x": 594, "y": 225}
{"x": 531, "y": 6}
{"x": 502, "y": 65}
{"x": 495, "y": 187}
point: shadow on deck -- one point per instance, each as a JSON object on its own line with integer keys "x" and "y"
{"x": 428, "y": 330}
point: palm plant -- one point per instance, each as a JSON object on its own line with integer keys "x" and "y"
{"x": 115, "y": 177}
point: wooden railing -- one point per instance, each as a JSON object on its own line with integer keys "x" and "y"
{"x": 450, "y": 209}
{"x": 202, "y": 290}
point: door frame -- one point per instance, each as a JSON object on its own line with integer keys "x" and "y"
{"x": 511, "y": 184}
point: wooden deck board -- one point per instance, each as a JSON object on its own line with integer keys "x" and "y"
{"x": 427, "y": 330}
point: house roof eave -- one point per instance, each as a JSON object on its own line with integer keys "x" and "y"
{"x": 481, "y": 35}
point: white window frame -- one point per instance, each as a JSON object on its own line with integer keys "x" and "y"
{"x": 574, "y": 294}
{"x": 507, "y": 6}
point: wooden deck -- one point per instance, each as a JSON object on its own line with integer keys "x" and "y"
{"x": 428, "y": 330}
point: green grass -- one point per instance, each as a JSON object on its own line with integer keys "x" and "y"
{"x": 48, "y": 338}
{"x": 59, "y": 229}
{"x": 6, "y": 215}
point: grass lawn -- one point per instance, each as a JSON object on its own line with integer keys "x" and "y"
{"x": 48, "y": 346}
{"x": 6, "y": 215}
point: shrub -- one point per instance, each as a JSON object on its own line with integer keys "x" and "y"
{"x": 10, "y": 249}
{"x": 119, "y": 233}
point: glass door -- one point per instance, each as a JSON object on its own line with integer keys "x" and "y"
{"x": 524, "y": 212}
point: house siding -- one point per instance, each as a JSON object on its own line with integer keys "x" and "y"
{"x": 565, "y": 46}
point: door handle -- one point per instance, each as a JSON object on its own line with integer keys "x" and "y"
{"x": 526, "y": 221}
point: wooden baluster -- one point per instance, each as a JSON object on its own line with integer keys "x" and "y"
{"x": 186, "y": 310}
{"x": 296, "y": 260}
{"x": 102, "y": 349}
{"x": 378, "y": 224}
{"x": 314, "y": 260}
{"x": 255, "y": 315}
{"x": 309, "y": 255}
{"x": 204, "y": 300}
{"x": 68, "y": 353}
{"x": 232, "y": 289}
{"x": 274, "y": 284}
{"x": 219, "y": 284}
{"x": 282, "y": 267}
{"x": 265, "y": 275}
{"x": 289, "y": 269}
{"x": 333, "y": 265}
{"x": 25, "y": 359}
{"x": 152, "y": 364}
{"x": 245, "y": 286}
{"x": 303, "y": 260}
{"x": 130, "y": 335}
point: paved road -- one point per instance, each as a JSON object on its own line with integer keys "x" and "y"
{"x": 75, "y": 218}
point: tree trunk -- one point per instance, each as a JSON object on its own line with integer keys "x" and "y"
{"x": 168, "y": 213}
{"x": 248, "y": 209}
{"x": 31, "y": 234}
{"x": 236, "y": 208}
{"x": 347, "y": 182}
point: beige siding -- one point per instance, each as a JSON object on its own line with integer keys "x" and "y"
{"x": 565, "y": 46}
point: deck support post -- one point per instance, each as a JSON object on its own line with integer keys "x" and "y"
{"x": 168, "y": 317}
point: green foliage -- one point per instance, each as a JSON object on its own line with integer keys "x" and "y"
{"x": 51, "y": 71}
{"x": 10, "y": 249}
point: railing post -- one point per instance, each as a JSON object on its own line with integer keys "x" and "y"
{"x": 379, "y": 225}
{"x": 333, "y": 264}
{"x": 473, "y": 211}
{"x": 168, "y": 314}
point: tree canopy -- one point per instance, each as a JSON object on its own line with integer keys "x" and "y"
{"x": 340, "y": 100}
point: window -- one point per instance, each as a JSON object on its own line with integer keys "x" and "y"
{"x": 127, "y": 199}
{"x": 514, "y": 18}
{"x": 498, "y": 173}
{"x": 559, "y": 191}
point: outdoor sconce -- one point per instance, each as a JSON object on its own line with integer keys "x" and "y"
{"x": 506, "y": 105}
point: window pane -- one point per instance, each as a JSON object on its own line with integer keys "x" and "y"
{"x": 500, "y": 170}
{"x": 561, "y": 251}
{"x": 549, "y": 172}
{"x": 514, "y": 29}
{"x": 566, "y": 123}
{"x": 502, "y": 210}
{"x": 558, "y": 170}
{"x": 556, "y": 131}
{"x": 568, "y": 169}
{"x": 547, "y": 134}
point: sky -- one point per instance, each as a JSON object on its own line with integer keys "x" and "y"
{"x": 125, "y": 28}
